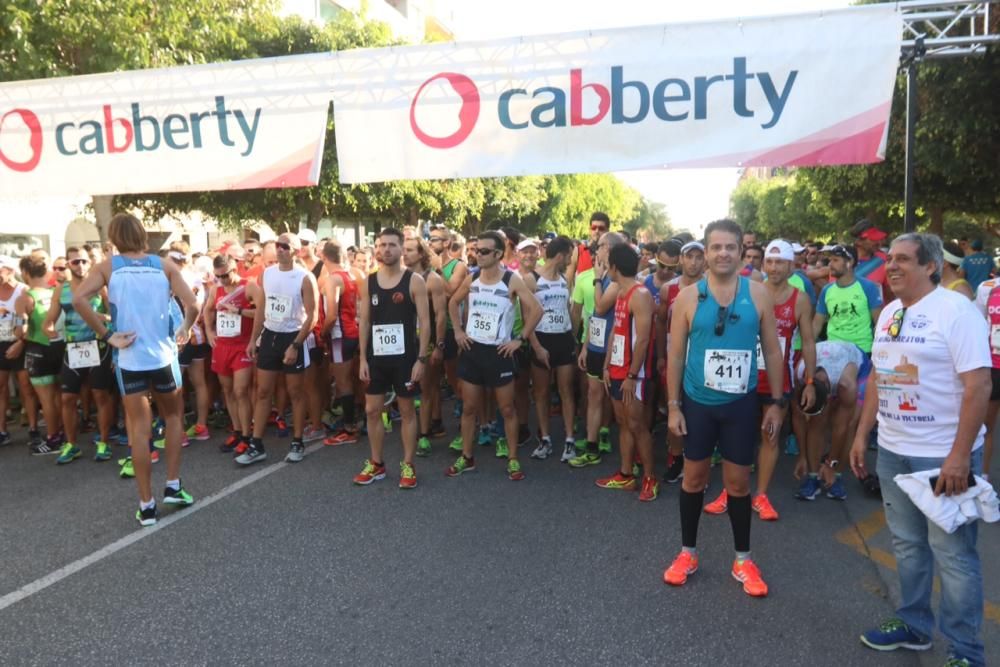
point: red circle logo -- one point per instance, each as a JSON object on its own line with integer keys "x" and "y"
{"x": 467, "y": 116}
{"x": 35, "y": 127}
{"x": 397, "y": 297}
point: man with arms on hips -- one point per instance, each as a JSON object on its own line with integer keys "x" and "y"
{"x": 285, "y": 310}
{"x": 229, "y": 314}
{"x": 393, "y": 308}
{"x": 553, "y": 345}
{"x": 713, "y": 342}
{"x": 792, "y": 312}
{"x": 139, "y": 291}
{"x": 850, "y": 305}
{"x": 87, "y": 362}
{"x": 488, "y": 348}
{"x": 628, "y": 367}
{"x": 929, "y": 391}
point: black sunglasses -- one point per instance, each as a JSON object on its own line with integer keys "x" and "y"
{"x": 59, "y": 268}
{"x": 74, "y": 262}
{"x": 720, "y": 323}
{"x": 282, "y": 246}
{"x": 485, "y": 251}
{"x": 896, "y": 326}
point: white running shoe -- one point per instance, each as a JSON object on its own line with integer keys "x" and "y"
{"x": 543, "y": 449}
{"x": 569, "y": 451}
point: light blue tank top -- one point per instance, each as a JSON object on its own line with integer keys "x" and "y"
{"x": 721, "y": 355}
{"x": 139, "y": 295}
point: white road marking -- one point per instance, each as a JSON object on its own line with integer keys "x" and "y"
{"x": 56, "y": 576}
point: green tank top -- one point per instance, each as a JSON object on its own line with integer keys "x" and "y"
{"x": 76, "y": 329}
{"x": 446, "y": 272}
{"x": 796, "y": 281}
{"x": 43, "y": 299}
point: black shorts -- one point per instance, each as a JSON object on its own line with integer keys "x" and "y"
{"x": 162, "y": 380}
{"x": 732, "y": 426}
{"x": 560, "y": 347}
{"x": 193, "y": 352}
{"x": 395, "y": 377}
{"x": 271, "y": 353}
{"x": 595, "y": 364}
{"x": 15, "y": 364}
{"x": 43, "y": 360}
{"x": 522, "y": 358}
{"x": 995, "y": 392}
{"x": 450, "y": 345}
{"x": 641, "y": 390}
{"x": 101, "y": 376}
{"x": 483, "y": 366}
{"x": 342, "y": 350}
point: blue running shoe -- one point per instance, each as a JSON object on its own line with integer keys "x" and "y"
{"x": 809, "y": 489}
{"x": 791, "y": 446}
{"x": 837, "y": 490}
{"x": 457, "y": 411}
{"x": 484, "y": 438}
{"x": 893, "y": 634}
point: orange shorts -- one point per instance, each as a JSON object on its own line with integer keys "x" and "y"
{"x": 227, "y": 359}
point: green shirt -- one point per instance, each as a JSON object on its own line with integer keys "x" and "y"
{"x": 583, "y": 293}
{"x": 43, "y": 299}
{"x": 848, "y": 311}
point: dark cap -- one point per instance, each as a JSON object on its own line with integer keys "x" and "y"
{"x": 845, "y": 251}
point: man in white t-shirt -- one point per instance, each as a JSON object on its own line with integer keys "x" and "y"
{"x": 929, "y": 390}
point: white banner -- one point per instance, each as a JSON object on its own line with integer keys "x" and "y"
{"x": 804, "y": 90}
{"x": 251, "y": 124}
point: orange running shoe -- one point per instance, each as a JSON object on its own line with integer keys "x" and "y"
{"x": 683, "y": 566}
{"x": 753, "y": 583}
{"x": 618, "y": 481}
{"x": 342, "y": 437}
{"x": 407, "y": 476}
{"x": 370, "y": 473}
{"x": 719, "y": 505}
{"x": 240, "y": 448}
{"x": 650, "y": 489}
{"x": 154, "y": 456}
{"x": 762, "y": 506}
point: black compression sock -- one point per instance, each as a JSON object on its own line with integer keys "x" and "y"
{"x": 740, "y": 514}
{"x": 347, "y": 403}
{"x": 690, "y": 515}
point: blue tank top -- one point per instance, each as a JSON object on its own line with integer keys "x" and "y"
{"x": 139, "y": 296}
{"x": 722, "y": 369}
{"x": 77, "y": 330}
{"x": 594, "y": 326}
{"x": 650, "y": 283}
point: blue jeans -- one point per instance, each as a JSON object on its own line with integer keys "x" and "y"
{"x": 918, "y": 544}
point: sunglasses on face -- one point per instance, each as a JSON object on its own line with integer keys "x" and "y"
{"x": 77, "y": 262}
{"x": 282, "y": 246}
{"x": 437, "y": 239}
{"x": 59, "y": 268}
{"x": 896, "y": 326}
{"x": 672, "y": 267}
{"x": 222, "y": 275}
{"x": 482, "y": 252}
{"x": 596, "y": 228}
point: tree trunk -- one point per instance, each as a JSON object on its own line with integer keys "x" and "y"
{"x": 102, "y": 211}
{"x": 315, "y": 214}
{"x": 937, "y": 221}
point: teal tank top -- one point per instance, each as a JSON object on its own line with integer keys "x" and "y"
{"x": 722, "y": 368}
{"x": 77, "y": 330}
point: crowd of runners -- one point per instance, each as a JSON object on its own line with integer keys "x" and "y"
{"x": 715, "y": 351}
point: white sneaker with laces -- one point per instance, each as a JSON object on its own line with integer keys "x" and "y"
{"x": 311, "y": 433}
{"x": 543, "y": 449}
{"x": 569, "y": 451}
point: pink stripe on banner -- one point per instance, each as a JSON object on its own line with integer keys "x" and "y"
{"x": 291, "y": 172}
{"x": 852, "y": 141}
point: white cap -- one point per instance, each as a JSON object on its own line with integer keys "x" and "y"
{"x": 779, "y": 249}
{"x": 527, "y": 243}
{"x": 797, "y": 248}
{"x": 692, "y": 245}
{"x": 8, "y": 263}
{"x": 307, "y": 236}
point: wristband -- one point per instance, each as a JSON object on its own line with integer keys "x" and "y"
{"x": 422, "y": 359}
{"x": 673, "y": 402}
{"x": 809, "y": 381}
{"x": 632, "y": 376}
{"x": 106, "y": 336}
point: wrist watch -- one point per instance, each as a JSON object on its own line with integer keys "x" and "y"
{"x": 422, "y": 359}
{"x": 832, "y": 463}
{"x": 632, "y": 376}
{"x": 439, "y": 345}
{"x": 106, "y": 336}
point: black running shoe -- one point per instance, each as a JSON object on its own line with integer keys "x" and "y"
{"x": 675, "y": 471}
{"x": 146, "y": 517}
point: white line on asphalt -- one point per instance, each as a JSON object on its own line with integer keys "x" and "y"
{"x": 56, "y": 576}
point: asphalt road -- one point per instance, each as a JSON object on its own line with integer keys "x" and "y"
{"x": 293, "y": 564}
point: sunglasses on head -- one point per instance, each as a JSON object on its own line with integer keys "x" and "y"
{"x": 896, "y": 326}
{"x": 282, "y": 246}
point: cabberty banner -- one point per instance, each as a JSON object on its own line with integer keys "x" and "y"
{"x": 250, "y": 124}
{"x": 797, "y": 90}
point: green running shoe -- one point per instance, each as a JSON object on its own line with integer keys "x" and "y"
{"x": 456, "y": 444}
{"x": 423, "y": 447}
{"x": 387, "y": 422}
{"x": 604, "y": 441}
{"x": 514, "y": 472}
{"x": 636, "y": 469}
{"x": 103, "y": 452}
{"x": 580, "y": 446}
{"x": 68, "y": 452}
{"x": 716, "y": 457}
{"x": 584, "y": 460}
{"x": 502, "y": 450}
{"x": 127, "y": 470}
{"x": 178, "y": 497}
{"x": 460, "y": 465}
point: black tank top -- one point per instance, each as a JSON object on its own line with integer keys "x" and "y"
{"x": 430, "y": 309}
{"x": 317, "y": 268}
{"x": 391, "y": 309}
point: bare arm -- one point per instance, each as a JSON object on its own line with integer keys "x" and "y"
{"x": 418, "y": 292}
{"x": 773, "y": 354}
{"x": 804, "y": 310}
{"x": 333, "y": 286}
{"x": 364, "y": 321}
{"x": 531, "y": 310}
{"x": 93, "y": 284}
{"x": 976, "y": 385}
{"x": 439, "y": 298}
{"x": 457, "y": 278}
{"x": 181, "y": 290}
{"x": 454, "y": 303}
{"x": 52, "y": 315}
{"x": 310, "y": 302}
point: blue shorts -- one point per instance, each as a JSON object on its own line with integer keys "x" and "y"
{"x": 641, "y": 390}
{"x": 732, "y": 426}
{"x": 161, "y": 380}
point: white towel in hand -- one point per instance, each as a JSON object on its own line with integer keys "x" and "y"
{"x": 950, "y": 512}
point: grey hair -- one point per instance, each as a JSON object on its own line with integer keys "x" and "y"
{"x": 614, "y": 238}
{"x": 929, "y": 249}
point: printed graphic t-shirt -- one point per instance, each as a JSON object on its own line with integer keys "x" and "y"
{"x": 917, "y": 373}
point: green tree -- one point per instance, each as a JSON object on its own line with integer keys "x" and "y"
{"x": 573, "y": 197}
{"x": 651, "y": 222}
